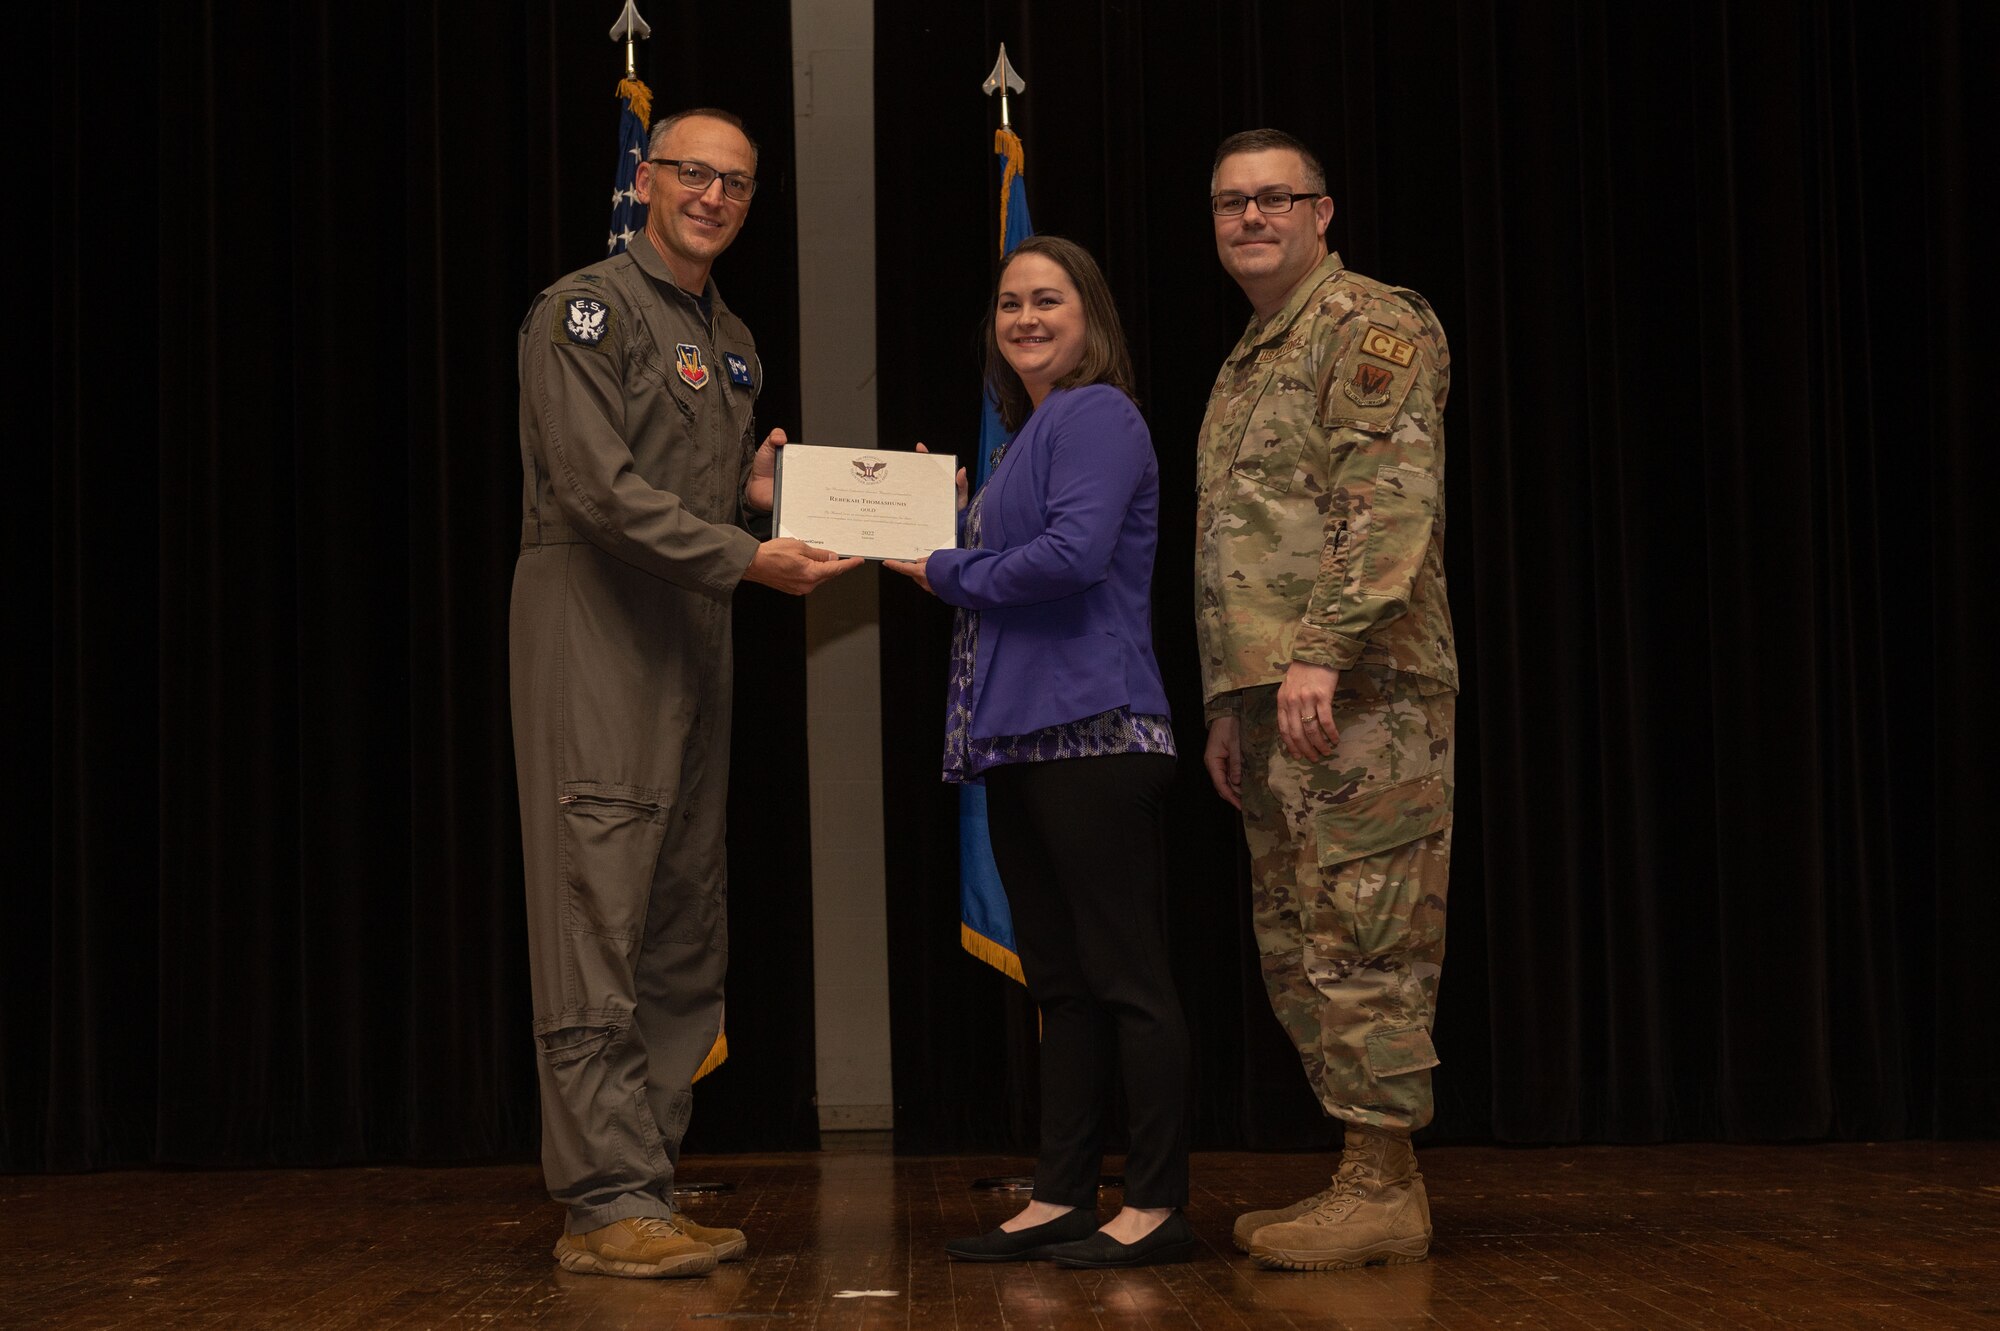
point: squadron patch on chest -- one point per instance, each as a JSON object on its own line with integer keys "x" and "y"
{"x": 739, "y": 369}
{"x": 687, "y": 360}
{"x": 584, "y": 321}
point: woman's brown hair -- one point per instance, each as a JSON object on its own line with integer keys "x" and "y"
{"x": 1105, "y": 358}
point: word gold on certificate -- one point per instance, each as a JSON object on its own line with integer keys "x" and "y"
{"x": 876, "y": 503}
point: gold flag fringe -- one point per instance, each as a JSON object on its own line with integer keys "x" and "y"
{"x": 716, "y": 1056}
{"x": 1007, "y": 142}
{"x": 641, "y": 98}
{"x": 990, "y": 952}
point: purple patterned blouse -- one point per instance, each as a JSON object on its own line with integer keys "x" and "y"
{"x": 966, "y": 758}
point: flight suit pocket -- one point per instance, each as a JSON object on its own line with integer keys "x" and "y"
{"x": 686, "y": 396}
{"x": 611, "y": 839}
{"x": 565, "y": 1044}
{"x": 1368, "y": 855}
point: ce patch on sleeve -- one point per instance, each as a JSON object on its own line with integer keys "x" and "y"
{"x": 1369, "y": 383}
{"x": 583, "y": 322}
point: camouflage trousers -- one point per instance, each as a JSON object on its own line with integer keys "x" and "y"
{"x": 1349, "y": 858}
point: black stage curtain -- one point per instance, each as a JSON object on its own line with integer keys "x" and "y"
{"x": 270, "y": 905}
{"x": 1716, "y": 551}
{"x": 1720, "y": 533}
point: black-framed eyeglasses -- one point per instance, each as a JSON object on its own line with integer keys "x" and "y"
{"x": 1268, "y": 202}
{"x": 696, "y": 175}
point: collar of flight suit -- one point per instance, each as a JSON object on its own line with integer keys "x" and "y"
{"x": 647, "y": 256}
{"x": 1275, "y": 328}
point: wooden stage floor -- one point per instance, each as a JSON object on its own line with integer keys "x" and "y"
{"x": 1902, "y": 1235}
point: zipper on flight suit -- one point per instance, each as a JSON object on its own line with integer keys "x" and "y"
{"x": 612, "y": 801}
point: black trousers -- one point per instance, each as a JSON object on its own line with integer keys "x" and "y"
{"x": 1080, "y": 845}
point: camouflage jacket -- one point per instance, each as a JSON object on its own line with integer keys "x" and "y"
{"x": 1321, "y": 505}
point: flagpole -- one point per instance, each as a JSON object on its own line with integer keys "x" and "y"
{"x": 631, "y": 30}
{"x": 1004, "y": 79}
{"x": 976, "y": 887}
{"x": 986, "y": 926}
{"x": 628, "y": 215}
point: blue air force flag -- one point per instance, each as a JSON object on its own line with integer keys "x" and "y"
{"x": 986, "y": 928}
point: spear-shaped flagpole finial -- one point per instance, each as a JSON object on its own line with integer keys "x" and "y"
{"x": 1003, "y": 80}
{"x": 631, "y": 30}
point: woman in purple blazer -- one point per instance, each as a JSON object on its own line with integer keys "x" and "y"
{"x": 1056, "y": 704}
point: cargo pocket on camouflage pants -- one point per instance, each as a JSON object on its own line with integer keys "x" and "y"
{"x": 1374, "y": 945}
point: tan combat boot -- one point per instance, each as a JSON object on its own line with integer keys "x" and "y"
{"x": 1377, "y": 1213}
{"x": 643, "y": 1246}
{"x": 1250, "y": 1222}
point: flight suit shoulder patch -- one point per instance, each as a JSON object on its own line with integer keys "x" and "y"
{"x": 582, "y": 321}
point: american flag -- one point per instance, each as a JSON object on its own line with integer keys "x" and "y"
{"x": 628, "y": 220}
{"x": 628, "y": 215}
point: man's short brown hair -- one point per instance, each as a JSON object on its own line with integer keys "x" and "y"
{"x": 661, "y": 126}
{"x": 1263, "y": 140}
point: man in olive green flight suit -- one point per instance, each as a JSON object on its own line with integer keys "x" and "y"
{"x": 638, "y": 465}
{"x": 1330, "y": 679}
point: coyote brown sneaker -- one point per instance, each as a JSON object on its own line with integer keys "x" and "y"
{"x": 643, "y": 1246}
{"x": 728, "y": 1243}
{"x": 1376, "y": 1213}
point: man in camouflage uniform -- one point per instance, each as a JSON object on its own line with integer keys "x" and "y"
{"x": 638, "y": 465}
{"x": 1330, "y": 680}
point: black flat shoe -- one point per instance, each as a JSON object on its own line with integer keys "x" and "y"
{"x": 1024, "y": 1245}
{"x": 1172, "y": 1240}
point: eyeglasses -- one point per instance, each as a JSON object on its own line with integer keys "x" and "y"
{"x": 1268, "y": 202}
{"x": 696, "y": 175}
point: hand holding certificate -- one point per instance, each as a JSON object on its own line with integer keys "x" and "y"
{"x": 874, "y": 503}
